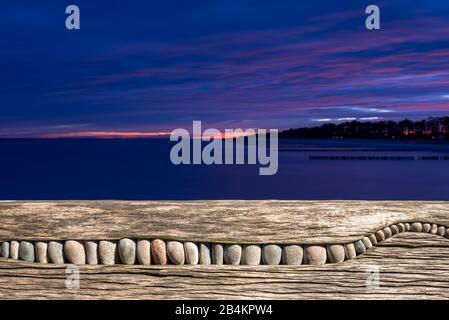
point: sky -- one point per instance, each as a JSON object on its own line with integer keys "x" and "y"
{"x": 145, "y": 68}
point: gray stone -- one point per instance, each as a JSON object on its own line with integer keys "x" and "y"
{"x": 232, "y": 254}
{"x": 315, "y": 255}
{"x": 446, "y": 235}
{"x": 416, "y": 227}
{"x": 74, "y": 250}
{"x": 336, "y": 253}
{"x": 5, "y": 249}
{"x": 159, "y": 252}
{"x": 108, "y": 252}
{"x": 401, "y": 227}
{"x": 367, "y": 242}
{"x": 394, "y": 229}
{"x": 407, "y": 226}
{"x": 441, "y": 231}
{"x": 144, "y": 252}
{"x": 251, "y": 255}
{"x": 14, "y": 250}
{"x": 359, "y": 247}
{"x": 175, "y": 252}
{"x": 56, "y": 252}
{"x": 380, "y": 236}
{"x": 388, "y": 233}
{"x": 41, "y": 251}
{"x": 426, "y": 227}
{"x": 127, "y": 251}
{"x": 350, "y": 251}
{"x": 373, "y": 239}
{"x": 292, "y": 254}
{"x": 91, "y": 252}
{"x": 217, "y": 254}
{"x": 272, "y": 254}
{"x": 192, "y": 253}
{"x": 205, "y": 256}
{"x": 434, "y": 229}
{"x": 26, "y": 251}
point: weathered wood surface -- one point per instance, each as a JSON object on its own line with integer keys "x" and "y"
{"x": 412, "y": 266}
{"x": 215, "y": 221}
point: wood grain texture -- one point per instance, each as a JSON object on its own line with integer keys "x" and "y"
{"x": 214, "y": 221}
{"x": 412, "y": 266}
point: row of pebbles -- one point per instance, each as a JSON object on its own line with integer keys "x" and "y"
{"x": 159, "y": 252}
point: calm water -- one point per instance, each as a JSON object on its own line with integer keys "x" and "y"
{"x": 141, "y": 169}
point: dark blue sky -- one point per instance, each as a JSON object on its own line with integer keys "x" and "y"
{"x": 152, "y": 66}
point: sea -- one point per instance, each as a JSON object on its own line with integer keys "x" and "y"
{"x": 140, "y": 169}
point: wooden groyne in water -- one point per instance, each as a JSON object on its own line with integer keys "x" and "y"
{"x": 404, "y": 243}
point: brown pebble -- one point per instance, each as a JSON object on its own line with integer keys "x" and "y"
{"x": 292, "y": 254}
{"x": 74, "y": 250}
{"x": 175, "y": 252}
{"x": 447, "y": 233}
{"x": 426, "y": 228}
{"x": 159, "y": 252}
{"x": 217, "y": 254}
{"x": 401, "y": 227}
{"x": 407, "y": 226}
{"x": 144, "y": 252}
{"x": 108, "y": 252}
{"x": 373, "y": 239}
{"x": 91, "y": 252}
{"x": 416, "y": 227}
{"x": 350, "y": 251}
{"x": 41, "y": 251}
{"x": 434, "y": 229}
{"x": 251, "y": 255}
{"x": 380, "y": 236}
{"x": 336, "y": 253}
{"x": 315, "y": 255}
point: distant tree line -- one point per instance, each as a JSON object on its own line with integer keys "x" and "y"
{"x": 432, "y": 128}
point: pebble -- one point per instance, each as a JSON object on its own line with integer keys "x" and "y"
{"x": 441, "y": 231}
{"x": 447, "y": 233}
{"x": 56, "y": 252}
{"x": 434, "y": 229}
{"x": 359, "y": 247}
{"x": 380, "y": 236}
{"x": 315, "y": 255}
{"x": 251, "y": 255}
{"x": 426, "y": 228}
{"x": 74, "y": 250}
{"x": 205, "y": 257}
{"x": 388, "y": 233}
{"x": 191, "y": 252}
{"x": 336, "y": 253}
{"x": 416, "y": 227}
{"x": 5, "y": 249}
{"x": 373, "y": 239}
{"x": 292, "y": 254}
{"x": 232, "y": 254}
{"x": 91, "y": 251}
{"x": 367, "y": 242}
{"x": 26, "y": 251}
{"x": 108, "y": 252}
{"x": 350, "y": 251}
{"x": 14, "y": 250}
{"x": 127, "y": 251}
{"x": 217, "y": 253}
{"x": 159, "y": 252}
{"x": 175, "y": 252}
{"x": 144, "y": 252}
{"x": 41, "y": 251}
{"x": 401, "y": 227}
{"x": 394, "y": 229}
{"x": 272, "y": 254}
{"x": 407, "y": 226}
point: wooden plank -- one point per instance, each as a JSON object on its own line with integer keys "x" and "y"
{"x": 214, "y": 221}
{"x": 412, "y": 266}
